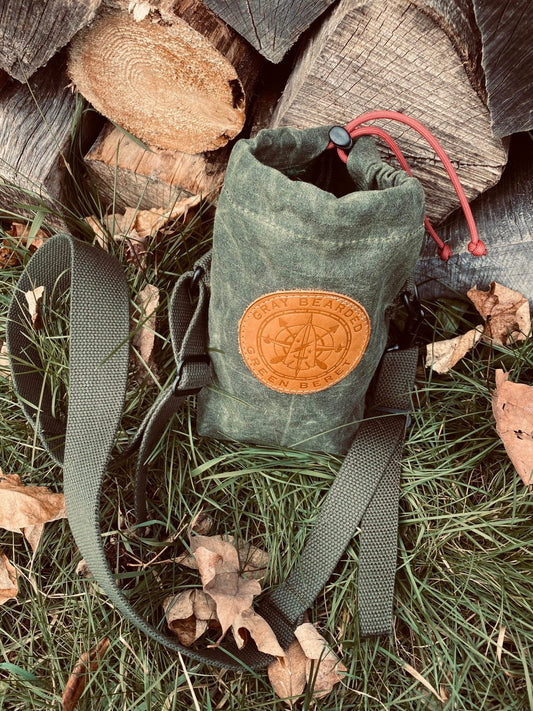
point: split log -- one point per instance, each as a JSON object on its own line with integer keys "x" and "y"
{"x": 33, "y": 31}
{"x": 127, "y": 174}
{"x": 271, "y": 26}
{"x": 36, "y": 122}
{"x": 506, "y": 31}
{"x": 420, "y": 58}
{"x": 176, "y": 78}
{"x": 504, "y": 218}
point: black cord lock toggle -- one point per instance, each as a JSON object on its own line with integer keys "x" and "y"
{"x": 340, "y": 137}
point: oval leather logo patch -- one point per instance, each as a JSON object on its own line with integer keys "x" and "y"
{"x": 303, "y": 341}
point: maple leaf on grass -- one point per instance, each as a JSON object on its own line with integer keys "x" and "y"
{"x": 505, "y": 312}
{"x": 512, "y": 405}
{"x": 25, "y": 509}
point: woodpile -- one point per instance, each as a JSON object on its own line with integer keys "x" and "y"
{"x": 178, "y": 81}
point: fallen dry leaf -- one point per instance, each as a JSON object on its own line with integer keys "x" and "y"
{"x": 441, "y": 356}
{"x": 5, "y": 370}
{"x": 78, "y": 679}
{"x": 253, "y": 561}
{"x": 505, "y": 312}
{"x": 25, "y": 509}
{"x": 188, "y": 614}
{"x": 512, "y": 405}
{"x": 288, "y": 674}
{"x": 323, "y": 668}
{"x": 34, "y": 299}
{"x": 218, "y": 564}
{"x": 16, "y": 237}
{"x": 219, "y": 568}
{"x": 137, "y": 225}
{"x": 8, "y": 580}
{"x": 144, "y": 337}
{"x": 250, "y": 622}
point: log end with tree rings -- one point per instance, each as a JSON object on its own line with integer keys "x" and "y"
{"x": 165, "y": 83}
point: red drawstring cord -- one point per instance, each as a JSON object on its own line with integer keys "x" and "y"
{"x": 476, "y": 246}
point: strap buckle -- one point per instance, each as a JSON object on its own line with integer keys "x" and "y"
{"x": 187, "y": 360}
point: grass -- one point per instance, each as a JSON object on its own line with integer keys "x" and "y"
{"x": 463, "y": 633}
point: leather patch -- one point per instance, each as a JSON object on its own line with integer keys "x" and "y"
{"x": 303, "y": 341}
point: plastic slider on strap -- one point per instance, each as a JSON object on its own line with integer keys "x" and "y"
{"x": 177, "y": 391}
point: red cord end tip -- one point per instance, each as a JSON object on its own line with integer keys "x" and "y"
{"x": 477, "y": 249}
{"x": 445, "y": 252}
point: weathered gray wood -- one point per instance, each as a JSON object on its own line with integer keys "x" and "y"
{"x": 32, "y": 31}
{"x": 271, "y": 26}
{"x": 507, "y": 33}
{"x": 504, "y": 217}
{"x": 127, "y": 174}
{"x": 35, "y": 139}
{"x": 418, "y": 58}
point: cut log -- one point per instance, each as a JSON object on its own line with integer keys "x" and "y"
{"x": 33, "y": 31}
{"x": 416, "y": 58}
{"x": 129, "y": 175}
{"x": 36, "y": 124}
{"x": 506, "y": 31}
{"x": 504, "y": 218}
{"x": 271, "y": 26}
{"x": 177, "y": 78}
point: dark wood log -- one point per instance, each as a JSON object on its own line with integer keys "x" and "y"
{"x": 420, "y": 58}
{"x": 126, "y": 174}
{"x": 36, "y": 124}
{"x": 504, "y": 217}
{"x": 178, "y": 77}
{"x": 271, "y": 26}
{"x": 34, "y": 30}
{"x": 507, "y": 31}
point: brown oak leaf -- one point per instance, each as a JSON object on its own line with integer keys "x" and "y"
{"x": 443, "y": 355}
{"x": 189, "y": 614}
{"x": 25, "y": 509}
{"x": 253, "y": 561}
{"x": 288, "y": 674}
{"x": 34, "y": 299}
{"x": 512, "y": 405}
{"x": 8, "y": 580}
{"x": 250, "y": 622}
{"x": 505, "y": 312}
{"x": 78, "y": 679}
{"x": 143, "y": 339}
{"x": 218, "y": 564}
{"x": 323, "y": 668}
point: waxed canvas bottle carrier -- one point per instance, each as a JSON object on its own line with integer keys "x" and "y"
{"x": 280, "y": 332}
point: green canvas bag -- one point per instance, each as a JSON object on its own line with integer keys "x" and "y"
{"x": 280, "y": 332}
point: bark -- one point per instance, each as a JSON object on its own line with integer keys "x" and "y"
{"x": 271, "y": 26}
{"x": 34, "y": 30}
{"x": 410, "y": 57}
{"x": 504, "y": 218}
{"x": 130, "y": 175}
{"x": 506, "y": 30}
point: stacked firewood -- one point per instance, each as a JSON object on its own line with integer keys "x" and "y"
{"x": 171, "y": 84}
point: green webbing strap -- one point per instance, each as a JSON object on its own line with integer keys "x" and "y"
{"x": 98, "y": 371}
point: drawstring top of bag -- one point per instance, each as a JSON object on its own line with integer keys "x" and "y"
{"x": 342, "y": 139}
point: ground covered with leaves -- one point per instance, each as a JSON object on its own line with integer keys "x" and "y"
{"x": 463, "y": 628}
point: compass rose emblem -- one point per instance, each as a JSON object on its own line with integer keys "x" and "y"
{"x": 303, "y": 341}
